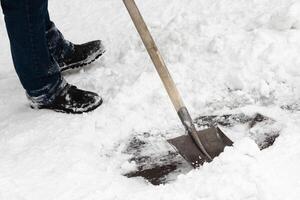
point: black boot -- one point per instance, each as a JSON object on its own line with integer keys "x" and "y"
{"x": 82, "y": 55}
{"x": 69, "y": 55}
{"x": 73, "y": 100}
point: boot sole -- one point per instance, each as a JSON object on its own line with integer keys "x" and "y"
{"x": 80, "y": 64}
{"x": 70, "y": 111}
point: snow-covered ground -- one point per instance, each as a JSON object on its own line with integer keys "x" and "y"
{"x": 226, "y": 56}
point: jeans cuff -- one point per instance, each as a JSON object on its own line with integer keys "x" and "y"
{"x": 52, "y": 92}
{"x": 58, "y": 46}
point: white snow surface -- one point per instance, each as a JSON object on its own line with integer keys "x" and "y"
{"x": 226, "y": 56}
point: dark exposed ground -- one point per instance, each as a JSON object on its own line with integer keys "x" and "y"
{"x": 159, "y": 166}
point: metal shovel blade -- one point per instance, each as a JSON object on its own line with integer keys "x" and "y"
{"x": 213, "y": 140}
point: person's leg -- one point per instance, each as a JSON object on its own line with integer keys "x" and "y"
{"x": 38, "y": 72}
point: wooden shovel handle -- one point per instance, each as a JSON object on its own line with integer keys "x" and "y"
{"x": 154, "y": 54}
{"x": 164, "y": 73}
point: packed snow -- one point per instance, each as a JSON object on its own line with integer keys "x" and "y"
{"x": 226, "y": 56}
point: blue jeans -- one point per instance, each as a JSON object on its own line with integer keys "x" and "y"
{"x": 36, "y": 47}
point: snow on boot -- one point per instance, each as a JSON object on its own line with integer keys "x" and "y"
{"x": 73, "y": 100}
{"x": 82, "y": 54}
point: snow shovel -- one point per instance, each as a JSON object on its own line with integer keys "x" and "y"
{"x": 196, "y": 147}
